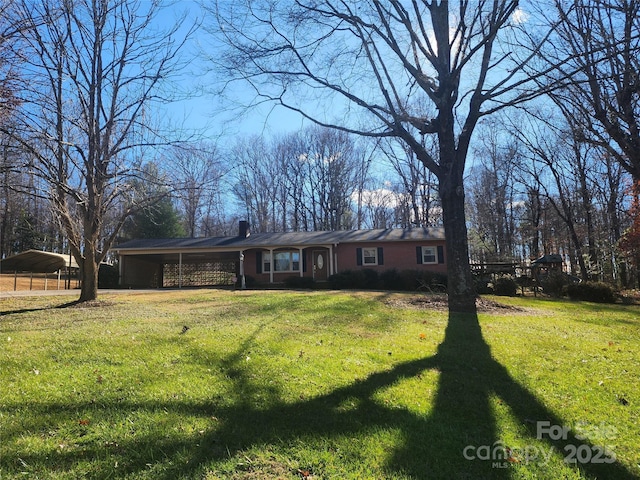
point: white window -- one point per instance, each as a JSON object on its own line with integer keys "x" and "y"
{"x": 429, "y": 255}
{"x": 369, "y": 256}
{"x": 282, "y": 262}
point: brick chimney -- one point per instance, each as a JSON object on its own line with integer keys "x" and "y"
{"x": 243, "y": 229}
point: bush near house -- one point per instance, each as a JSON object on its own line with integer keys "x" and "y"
{"x": 398, "y": 280}
{"x": 598, "y": 292}
{"x": 555, "y": 284}
{"x": 299, "y": 282}
{"x": 505, "y": 286}
{"x": 108, "y": 276}
{"x": 355, "y": 279}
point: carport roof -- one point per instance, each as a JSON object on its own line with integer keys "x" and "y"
{"x": 290, "y": 239}
{"x": 36, "y": 261}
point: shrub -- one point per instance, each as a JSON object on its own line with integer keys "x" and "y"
{"x": 407, "y": 280}
{"x": 432, "y": 281}
{"x": 599, "y": 292}
{"x": 524, "y": 281}
{"x": 370, "y": 279}
{"x": 554, "y": 284}
{"x": 249, "y": 281}
{"x": 483, "y": 286}
{"x": 342, "y": 280}
{"x": 299, "y": 282}
{"x": 108, "y": 276}
{"x": 392, "y": 280}
{"x": 505, "y": 286}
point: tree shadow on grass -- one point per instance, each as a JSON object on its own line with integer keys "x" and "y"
{"x": 468, "y": 377}
{"x": 40, "y": 309}
{"x": 440, "y": 444}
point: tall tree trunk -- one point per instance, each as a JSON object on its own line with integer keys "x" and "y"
{"x": 461, "y": 289}
{"x": 89, "y": 278}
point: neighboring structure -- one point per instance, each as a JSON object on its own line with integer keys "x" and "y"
{"x": 39, "y": 262}
{"x": 272, "y": 257}
{"x": 543, "y": 266}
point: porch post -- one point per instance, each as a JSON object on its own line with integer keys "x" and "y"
{"x": 331, "y": 261}
{"x": 243, "y": 284}
{"x": 273, "y": 265}
{"x": 301, "y": 262}
{"x": 180, "y": 270}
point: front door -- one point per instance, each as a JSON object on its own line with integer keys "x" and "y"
{"x": 320, "y": 265}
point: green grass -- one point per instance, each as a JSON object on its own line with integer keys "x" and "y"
{"x": 336, "y": 385}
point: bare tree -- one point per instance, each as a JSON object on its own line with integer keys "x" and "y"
{"x": 291, "y": 182}
{"x": 417, "y": 182}
{"x": 559, "y": 166}
{"x": 92, "y": 70}
{"x": 10, "y": 28}
{"x": 198, "y": 171}
{"x": 374, "y": 66}
{"x": 379, "y": 207}
{"x": 493, "y": 199}
{"x": 610, "y": 190}
{"x": 334, "y": 168}
{"x": 255, "y": 176}
{"x": 602, "y": 37}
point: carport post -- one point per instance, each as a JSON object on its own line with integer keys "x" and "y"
{"x": 69, "y": 270}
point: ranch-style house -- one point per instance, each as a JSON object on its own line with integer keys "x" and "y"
{"x": 269, "y": 258}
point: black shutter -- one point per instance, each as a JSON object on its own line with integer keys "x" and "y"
{"x": 380, "y": 256}
{"x": 419, "y": 255}
{"x": 304, "y": 260}
{"x": 258, "y": 261}
{"x": 440, "y": 254}
{"x": 358, "y": 256}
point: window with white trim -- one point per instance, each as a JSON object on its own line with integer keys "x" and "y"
{"x": 370, "y": 256}
{"x": 283, "y": 261}
{"x": 429, "y": 255}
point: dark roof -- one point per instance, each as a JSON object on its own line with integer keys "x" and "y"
{"x": 36, "y": 261}
{"x": 291, "y": 239}
{"x": 549, "y": 258}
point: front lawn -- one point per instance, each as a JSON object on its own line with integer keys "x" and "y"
{"x": 215, "y": 384}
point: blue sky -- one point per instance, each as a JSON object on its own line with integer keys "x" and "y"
{"x": 202, "y": 109}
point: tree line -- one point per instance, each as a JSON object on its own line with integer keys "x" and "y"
{"x": 531, "y": 193}
{"x": 515, "y": 127}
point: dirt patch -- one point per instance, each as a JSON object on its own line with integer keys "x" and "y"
{"x": 440, "y": 302}
{"x": 93, "y": 304}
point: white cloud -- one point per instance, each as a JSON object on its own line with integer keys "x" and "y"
{"x": 519, "y": 16}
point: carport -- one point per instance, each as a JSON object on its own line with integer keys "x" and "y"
{"x": 39, "y": 262}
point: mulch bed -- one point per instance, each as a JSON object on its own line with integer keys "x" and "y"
{"x": 440, "y": 302}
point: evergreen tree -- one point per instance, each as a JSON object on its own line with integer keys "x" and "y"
{"x": 157, "y": 221}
